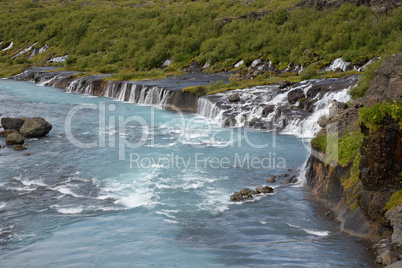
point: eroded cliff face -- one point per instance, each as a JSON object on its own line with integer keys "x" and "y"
{"x": 356, "y": 165}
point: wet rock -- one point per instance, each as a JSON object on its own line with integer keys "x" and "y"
{"x": 19, "y": 147}
{"x": 247, "y": 191}
{"x": 264, "y": 189}
{"x": 8, "y": 132}
{"x": 283, "y": 175}
{"x": 270, "y": 180}
{"x": 35, "y": 128}
{"x": 267, "y": 110}
{"x": 292, "y": 179}
{"x": 12, "y": 123}
{"x": 234, "y": 97}
{"x": 295, "y": 95}
{"x": 236, "y": 197}
{"x": 15, "y": 138}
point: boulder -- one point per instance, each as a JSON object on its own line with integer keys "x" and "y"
{"x": 14, "y": 138}
{"x": 12, "y": 123}
{"x": 264, "y": 190}
{"x": 295, "y": 95}
{"x": 323, "y": 121}
{"x": 35, "y": 128}
{"x": 270, "y": 180}
{"x": 234, "y": 97}
{"x": 284, "y": 83}
{"x": 236, "y": 197}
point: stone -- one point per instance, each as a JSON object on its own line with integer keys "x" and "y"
{"x": 236, "y": 197}
{"x": 292, "y": 179}
{"x": 267, "y": 110}
{"x": 270, "y": 180}
{"x": 394, "y": 216}
{"x": 35, "y": 128}
{"x": 264, "y": 189}
{"x": 15, "y": 138}
{"x": 295, "y": 95}
{"x": 12, "y": 123}
{"x": 19, "y": 147}
{"x": 7, "y": 132}
{"x": 323, "y": 121}
{"x": 234, "y": 97}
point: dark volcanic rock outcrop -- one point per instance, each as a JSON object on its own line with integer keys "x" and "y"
{"x": 363, "y": 192}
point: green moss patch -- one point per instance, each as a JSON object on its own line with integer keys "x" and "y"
{"x": 373, "y": 116}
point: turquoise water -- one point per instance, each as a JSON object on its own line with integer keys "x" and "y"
{"x": 122, "y": 185}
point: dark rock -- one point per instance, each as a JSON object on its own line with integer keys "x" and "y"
{"x": 284, "y": 83}
{"x": 14, "y": 138}
{"x": 283, "y": 175}
{"x": 292, "y": 179}
{"x": 236, "y": 197}
{"x": 247, "y": 192}
{"x": 381, "y": 162}
{"x": 295, "y": 95}
{"x": 8, "y": 132}
{"x": 234, "y": 97}
{"x": 194, "y": 67}
{"x": 35, "y": 128}
{"x": 12, "y": 123}
{"x": 19, "y": 147}
{"x": 267, "y": 110}
{"x": 270, "y": 180}
{"x": 264, "y": 190}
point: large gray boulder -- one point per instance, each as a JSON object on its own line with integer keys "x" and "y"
{"x": 14, "y": 138}
{"x": 12, "y": 123}
{"x": 35, "y": 128}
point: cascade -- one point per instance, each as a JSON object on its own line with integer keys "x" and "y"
{"x": 269, "y": 108}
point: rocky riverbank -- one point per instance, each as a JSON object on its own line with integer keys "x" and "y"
{"x": 356, "y": 165}
{"x": 295, "y": 109}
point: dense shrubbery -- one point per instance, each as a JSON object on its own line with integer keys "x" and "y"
{"x": 108, "y": 36}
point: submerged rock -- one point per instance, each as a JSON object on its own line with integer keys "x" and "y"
{"x": 35, "y": 128}
{"x": 12, "y": 123}
{"x": 19, "y": 147}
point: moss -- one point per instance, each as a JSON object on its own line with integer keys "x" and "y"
{"x": 354, "y": 174}
{"x": 349, "y": 146}
{"x": 368, "y": 74}
{"x": 373, "y": 116}
{"x": 319, "y": 142}
{"x": 395, "y": 200}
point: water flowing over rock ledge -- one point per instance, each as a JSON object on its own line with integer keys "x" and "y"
{"x": 289, "y": 108}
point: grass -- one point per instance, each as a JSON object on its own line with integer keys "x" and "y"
{"x": 372, "y": 116}
{"x": 394, "y": 201}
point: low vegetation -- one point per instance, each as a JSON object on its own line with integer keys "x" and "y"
{"x": 133, "y": 36}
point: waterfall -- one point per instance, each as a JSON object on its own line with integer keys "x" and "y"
{"x": 269, "y": 108}
{"x": 121, "y": 96}
{"x": 209, "y": 109}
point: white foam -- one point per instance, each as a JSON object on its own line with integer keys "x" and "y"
{"x": 3, "y": 205}
{"x": 77, "y": 210}
{"x": 312, "y": 232}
